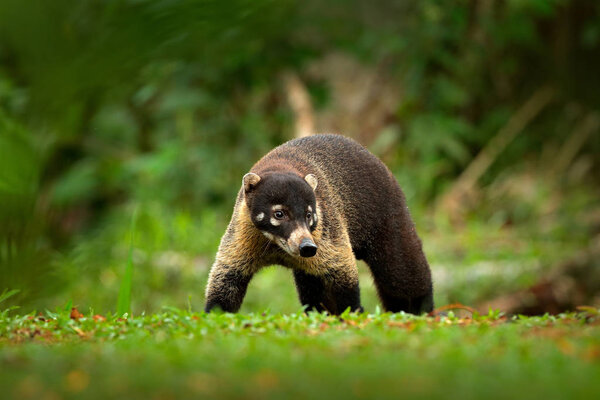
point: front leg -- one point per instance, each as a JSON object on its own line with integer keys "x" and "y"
{"x": 238, "y": 258}
{"x": 334, "y": 291}
{"x": 329, "y": 280}
{"x": 312, "y": 291}
{"x": 344, "y": 288}
{"x": 226, "y": 287}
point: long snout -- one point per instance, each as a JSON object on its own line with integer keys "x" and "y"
{"x": 301, "y": 242}
{"x": 307, "y": 248}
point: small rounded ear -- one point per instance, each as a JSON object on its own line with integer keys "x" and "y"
{"x": 250, "y": 180}
{"x": 312, "y": 181}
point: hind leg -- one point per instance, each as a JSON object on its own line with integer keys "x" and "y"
{"x": 403, "y": 281}
{"x": 398, "y": 264}
{"x": 415, "y": 305}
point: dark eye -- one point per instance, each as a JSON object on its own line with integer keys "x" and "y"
{"x": 308, "y": 215}
{"x": 279, "y": 214}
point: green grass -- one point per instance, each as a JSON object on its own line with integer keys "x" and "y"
{"x": 187, "y": 355}
{"x": 124, "y": 300}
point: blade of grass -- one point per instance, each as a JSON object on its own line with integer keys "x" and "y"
{"x": 124, "y": 300}
{"x": 4, "y": 296}
{"x": 7, "y": 294}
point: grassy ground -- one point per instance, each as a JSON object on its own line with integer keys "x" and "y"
{"x": 284, "y": 353}
{"x": 183, "y": 354}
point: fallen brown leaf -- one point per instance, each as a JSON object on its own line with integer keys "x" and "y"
{"x": 453, "y": 306}
{"x": 75, "y": 314}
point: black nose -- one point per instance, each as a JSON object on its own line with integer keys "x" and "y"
{"x": 307, "y": 248}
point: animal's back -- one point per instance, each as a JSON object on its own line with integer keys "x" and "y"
{"x": 355, "y": 182}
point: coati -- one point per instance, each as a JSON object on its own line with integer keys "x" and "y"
{"x": 315, "y": 205}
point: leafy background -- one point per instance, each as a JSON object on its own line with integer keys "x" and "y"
{"x": 107, "y": 107}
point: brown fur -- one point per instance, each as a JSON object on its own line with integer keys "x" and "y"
{"x": 361, "y": 212}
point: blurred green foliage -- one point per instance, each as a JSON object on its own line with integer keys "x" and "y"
{"x": 163, "y": 105}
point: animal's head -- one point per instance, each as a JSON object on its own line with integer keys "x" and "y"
{"x": 283, "y": 207}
